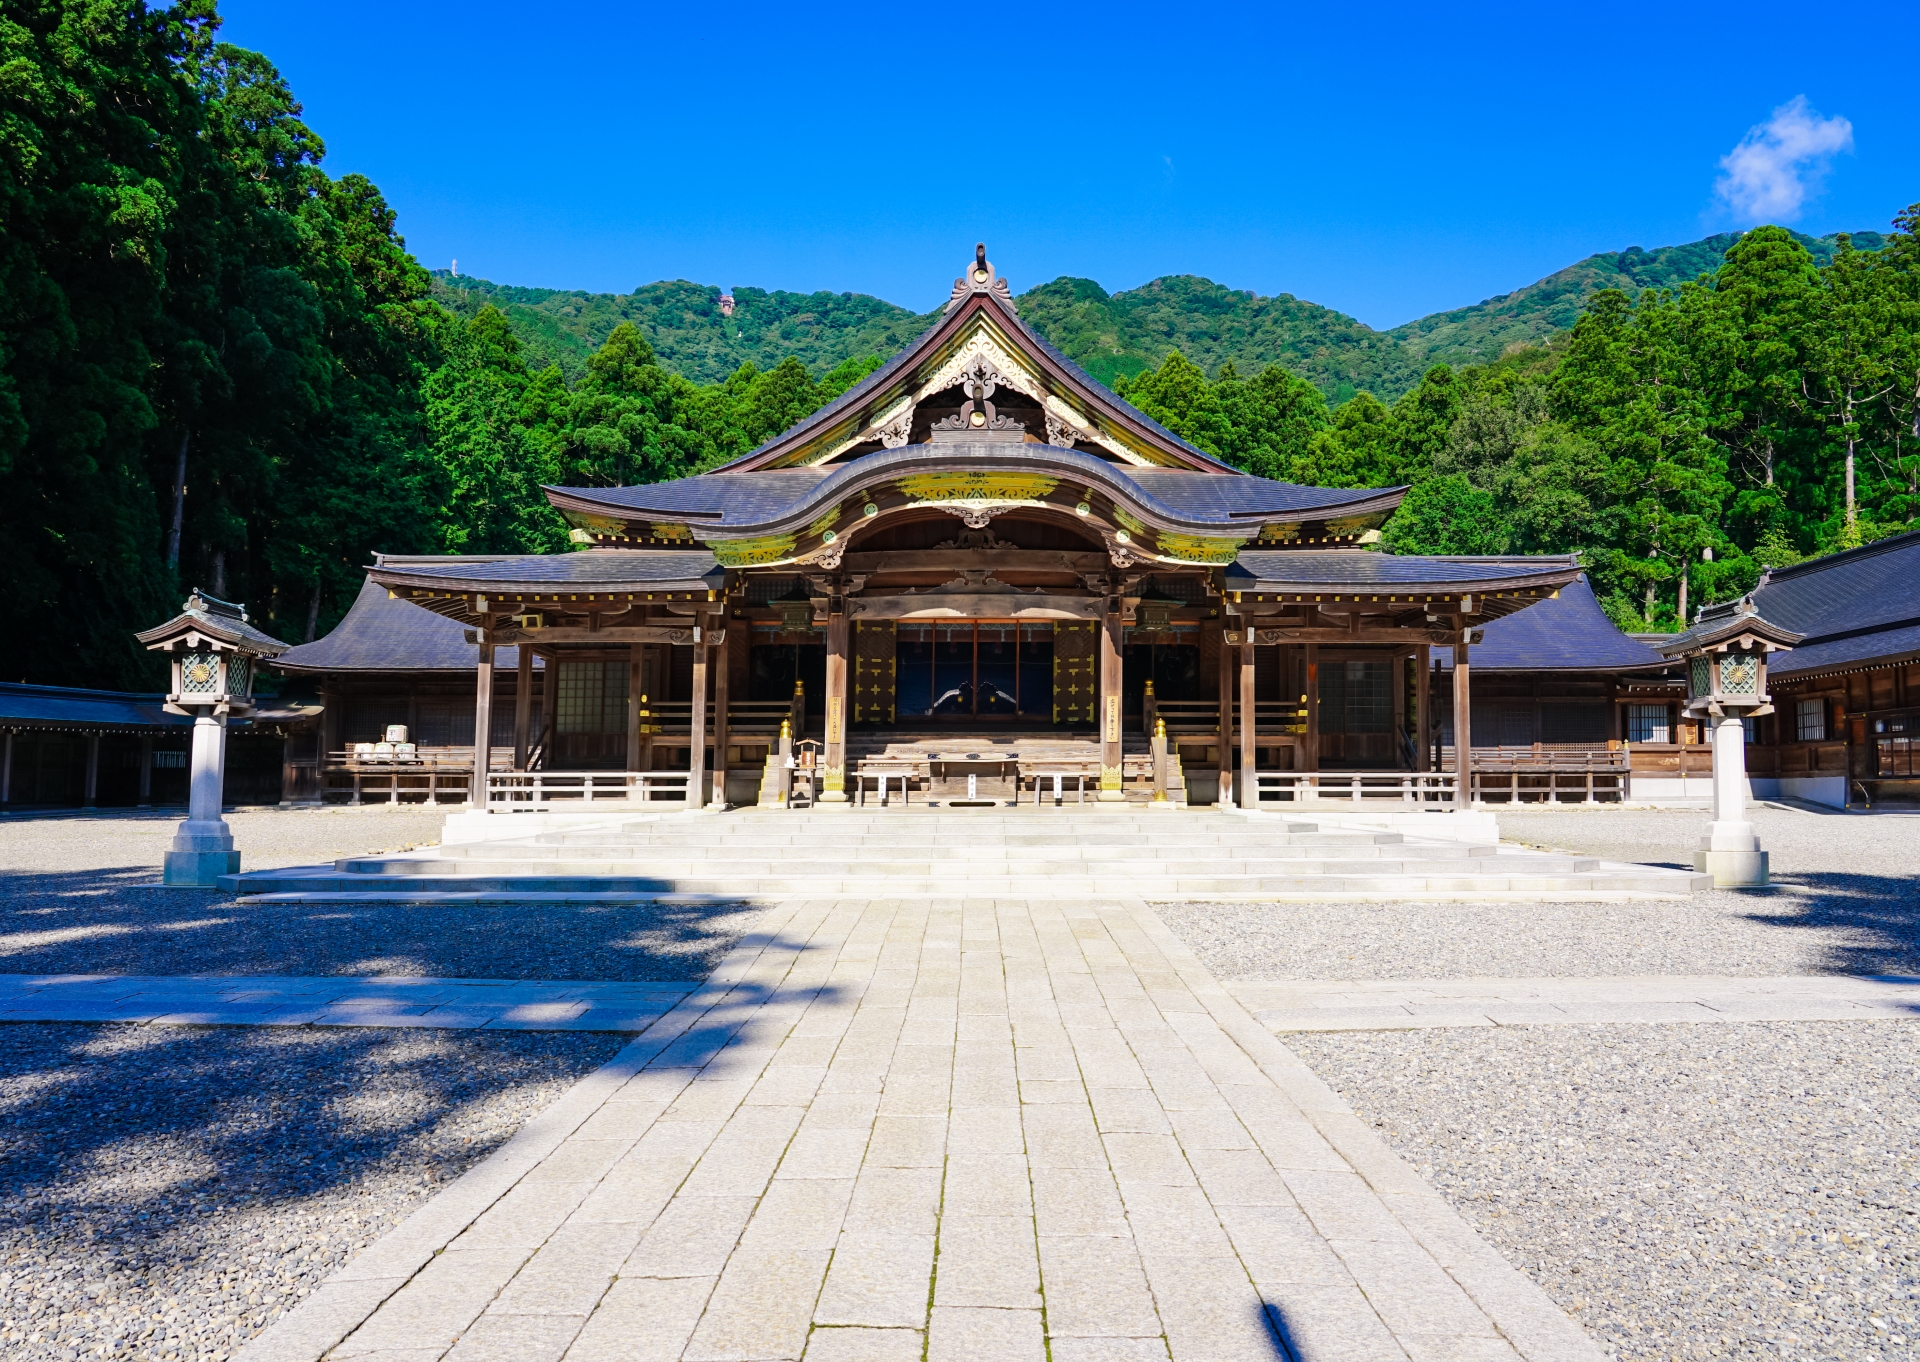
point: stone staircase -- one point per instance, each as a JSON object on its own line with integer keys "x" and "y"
{"x": 1066, "y": 851}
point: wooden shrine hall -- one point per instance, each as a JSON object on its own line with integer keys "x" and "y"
{"x": 977, "y": 555}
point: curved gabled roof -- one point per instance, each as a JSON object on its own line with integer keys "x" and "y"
{"x": 982, "y": 306}
{"x": 1502, "y": 585}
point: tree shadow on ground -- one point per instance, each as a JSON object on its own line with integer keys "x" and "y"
{"x": 1871, "y": 922}
{"x": 116, "y": 921}
{"x": 167, "y": 1158}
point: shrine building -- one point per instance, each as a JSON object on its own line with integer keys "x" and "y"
{"x": 978, "y": 549}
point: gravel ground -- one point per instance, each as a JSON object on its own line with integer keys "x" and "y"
{"x": 78, "y": 895}
{"x": 1745, "y": 1191}
{"x": 166, "y": 1193}
{"x": 1845, "y": 900}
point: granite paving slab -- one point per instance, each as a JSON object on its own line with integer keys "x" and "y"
{"x": 948, "y": 1128}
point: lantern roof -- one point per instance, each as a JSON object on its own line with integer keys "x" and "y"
{"x": 1731, "y": 624}
{"x": 207, "y": 620}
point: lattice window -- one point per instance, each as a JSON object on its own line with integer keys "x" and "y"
{"x": 1739, "y": 674}
{"x": 200, "y": 674}
{"x": 1649, "y": 723}
{"x": 1810, "y": 721}
{"x": 591, "y": 698}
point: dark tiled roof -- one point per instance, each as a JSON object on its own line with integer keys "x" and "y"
{"x": 712, "y": 498}
{"x": 1344, "y": 569}
{"x": 1185, "y": 498}
{"x": 383, "y": 634}
{"x": 1854, "y": 607}
{"x": 75, "y": 710}
{"x": 1571, "y": 633}
{"x": 602, "y": 569}
{"x": 1211, "y": 497}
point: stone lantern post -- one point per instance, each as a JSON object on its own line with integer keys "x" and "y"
{"x": 213, "y": 651}
{"x": 1726, "y": 656}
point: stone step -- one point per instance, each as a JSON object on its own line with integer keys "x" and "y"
{"x": 527, "y": 889}
{"x": 1308, "y": 843}
{"x": 1144, "y": 870}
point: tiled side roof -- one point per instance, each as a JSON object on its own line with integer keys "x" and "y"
{"x": 73, "y": 709}
{"x": 384, "y": 634}
{"x": 1871, "y": 646}
{"x": 599, "y": 568}
{"x": 1877, "y": 584}
{"x": 1571, "y": 633}
{"x": 1304, "y": 569}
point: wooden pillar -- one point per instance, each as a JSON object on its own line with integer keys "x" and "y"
{"x": 1313, "y": 707}
{"x": 697, "y": 728}
{"x": 146, "y": 771}
{"x": 1112, "y": 762}
{"x": 93, "y": 770}
{"x": 6, "y": 769}
{"x": 522, "y": 707}
{"x": 1462, "y": 725}
{"x": 482, "y": 727}
{"x": 833, "y": 774}
{"x": 549, "y": 704}
{"x": 636, "y": 690}
{"x": 1249, "y": 727}
{"x": 1423, "y": 703}
{"x": 721, "y": 672}
{"x": 1229, "y": 660}
{"x": 332, "y": 703}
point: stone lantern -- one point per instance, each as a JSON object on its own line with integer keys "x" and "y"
{"x": 213, "y": 651}
{"x": 1726, "y": 656}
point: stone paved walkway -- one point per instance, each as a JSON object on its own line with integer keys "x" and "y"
{"x": 946, "y": 1129}
{"x": 1400, "y": 1005}
{"x": 335, "y": 1000}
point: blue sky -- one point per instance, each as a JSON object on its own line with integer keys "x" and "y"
{"x": 1387, "y": 160}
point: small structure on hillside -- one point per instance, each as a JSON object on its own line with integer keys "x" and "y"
{"x": 213, "y": 650}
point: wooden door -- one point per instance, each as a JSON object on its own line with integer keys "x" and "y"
{"x": 1076, "y": 682}
{"x": 873, "y": 672}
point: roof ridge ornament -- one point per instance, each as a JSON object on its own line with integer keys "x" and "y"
{"x": 981, "y": 277}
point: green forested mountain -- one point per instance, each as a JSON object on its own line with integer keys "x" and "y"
{"x": 1110, "y": 334}
{"x": 684, "y": 324}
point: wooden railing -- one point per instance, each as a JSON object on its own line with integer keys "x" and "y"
{"x": 1271, "y": 718}
{"x": 1543, "y": 774}
{"x": 542, "y": 791}
{"x": 1405, "y": 787}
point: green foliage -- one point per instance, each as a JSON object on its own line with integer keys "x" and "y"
{"x": 1446, "y": 514}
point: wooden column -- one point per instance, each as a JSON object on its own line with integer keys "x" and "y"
{"x": 332, "y": 703}
{"x": 522, "y": 707}
{"x": 1313, "y": 707}
{"x": 6, "y": 769}
{"x": 93, "y": 770}
{"x": 146, "y": 771}
{"x": 482, "y": 727}
{"x": 1462, "y": 724}
{"x": 722, "y": 671}
{"x": 697, "y": 729}
{"x": 1229, "y": 667}
{"x": 549, "y": 705}
{"x": 636, "y": 689}
{"x": 1249, "y": 727}
{"x": 833, "y": 774}
{"x": 1423, "y": 702}
{"x": 1112, "y": 762}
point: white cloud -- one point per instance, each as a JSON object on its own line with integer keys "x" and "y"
{"x": 1781, "y": 161}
